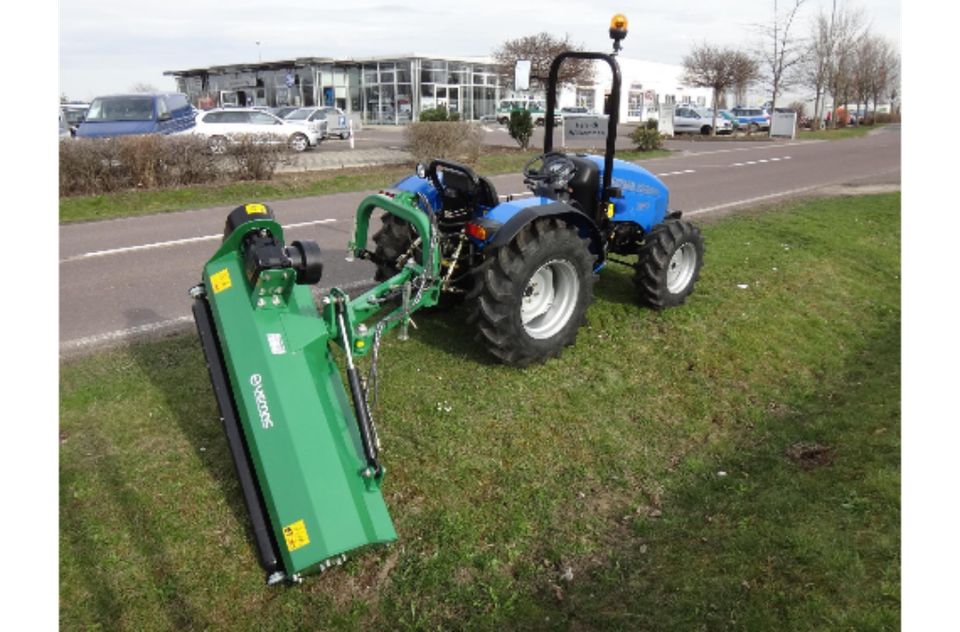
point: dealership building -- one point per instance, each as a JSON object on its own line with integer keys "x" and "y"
{"x": 394, "y": 90}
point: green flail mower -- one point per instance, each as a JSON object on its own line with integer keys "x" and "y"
{"x": 306, "y": 453}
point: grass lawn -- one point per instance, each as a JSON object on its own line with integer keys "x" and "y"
{"x": 732, "y": 464}
{"x": 836, "y": 134}
{"x": 133, "y": 203}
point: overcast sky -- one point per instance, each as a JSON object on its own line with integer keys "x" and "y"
{"x": 109, "y": 45}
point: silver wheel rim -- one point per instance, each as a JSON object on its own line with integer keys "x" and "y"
{"x": 681, "y": 267}
{"x": 549, "y": 299}
{"x": 299, "y": 143}
{"x": 218, "y": 146}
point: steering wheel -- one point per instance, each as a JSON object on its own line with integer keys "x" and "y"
{"x": 556, "y": 168}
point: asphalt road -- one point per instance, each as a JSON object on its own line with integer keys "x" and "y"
{"x": 128, "y": 278}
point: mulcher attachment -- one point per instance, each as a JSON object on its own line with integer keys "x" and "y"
{"x": 305, "y": 452}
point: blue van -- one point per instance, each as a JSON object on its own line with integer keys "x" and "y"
{"x": 129, "y": 114}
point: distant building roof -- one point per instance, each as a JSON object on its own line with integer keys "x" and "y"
{"x": 301, "y": 62}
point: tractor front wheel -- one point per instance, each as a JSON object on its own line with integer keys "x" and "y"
{"x": 532, "y": 295}
{"x": 669, "y": 264}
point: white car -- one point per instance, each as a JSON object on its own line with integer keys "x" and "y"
{"x": 223, "y": 126}
{"x": 333, "y": 119}
{"x": 699, "y": 121}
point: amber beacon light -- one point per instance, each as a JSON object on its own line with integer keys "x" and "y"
{"x": 618, "y": 30}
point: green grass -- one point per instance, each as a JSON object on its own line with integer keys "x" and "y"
{"x": 603, "y": 465}
{"x": 135, "y": 203}
{"x": 836, "y": 134}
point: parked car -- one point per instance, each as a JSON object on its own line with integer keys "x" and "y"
{"x": 223, "y": 126}
{"x": 699, "y": 121}
{"x": 734, "y": 121}
{"x": 335, "y": 119}
{"x": 752, "y": 119}
{"x": 536, "y": 107}
{"x": 64, "y": 127}
{"x": 282, "y": 112}
{"x": 130, "y": 114}
{"x": 74, "y": 113}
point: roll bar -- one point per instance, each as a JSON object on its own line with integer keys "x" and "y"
{"x": 611, "y": 124}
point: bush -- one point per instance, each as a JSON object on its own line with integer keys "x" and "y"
{"x": 255, "y": 160}
{"x": 451, "y": 140}
{"x": 93, "y": 166}
{"x": 520, "y": 127}
{"x": 647, "y": 136}
{"x": 433, "y": 115}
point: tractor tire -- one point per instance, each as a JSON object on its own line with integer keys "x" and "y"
{"x": 391, "y": 241}
{"x": 669, "y": 264}
{"x": 531, "y": 296}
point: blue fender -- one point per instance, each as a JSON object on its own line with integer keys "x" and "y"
{"x": 509, "y": 218}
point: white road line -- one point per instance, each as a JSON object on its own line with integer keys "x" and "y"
{"x": 773, "y": 196}
{"x": 121, "y": 334}
{"x": 174, "y": 324}
{"x": 174, "y": 242}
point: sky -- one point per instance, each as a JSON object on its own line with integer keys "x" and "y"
{"x": 108, "y": 46}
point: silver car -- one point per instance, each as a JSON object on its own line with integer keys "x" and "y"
{"x": 336, "y": 121}
{"x": 699, "y": 121}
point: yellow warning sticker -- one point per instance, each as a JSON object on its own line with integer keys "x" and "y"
{"x": 610, "y": 210}
{"x": 220, "y": 281}
{"x": 254, "y": 209}
{"x": 296, "y": 535}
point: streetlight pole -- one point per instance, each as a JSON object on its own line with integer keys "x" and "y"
{"x": 259, "y": 57}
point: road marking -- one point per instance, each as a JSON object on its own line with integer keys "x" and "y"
{"x": 174, "y": 242}
{"x": 122, "y": 334}
{"x": 675, "y": 173}
{"x": 759, "y": 161}
{"x": 773, "y": 196}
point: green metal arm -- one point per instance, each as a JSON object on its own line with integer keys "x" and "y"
{"x": 425, "y": 271}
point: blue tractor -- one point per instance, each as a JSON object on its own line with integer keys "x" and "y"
{"x": 527, "y": 266}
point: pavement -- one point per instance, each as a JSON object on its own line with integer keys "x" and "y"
{"x": 342, "y": 158}
{"x": 126, "y": 279}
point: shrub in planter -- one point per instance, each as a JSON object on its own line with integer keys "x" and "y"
{"x": 452, "y": 140}
{"x": 647, "y": 137}
{"x": 520, "y": 127}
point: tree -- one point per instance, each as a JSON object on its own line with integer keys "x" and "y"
{"x": 143, "y": 87}
{"x": 782, "y": 53}
{"x": 814, "y": 70}
{"x": 541, "y": 49}
{"x": 717, "y": 69}
{"x": 886, "y": 77}
{"x": 846, "y": 28}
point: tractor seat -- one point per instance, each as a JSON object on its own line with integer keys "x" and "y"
{"x": 460, "y": 192}
{"x": 585, "y": 185}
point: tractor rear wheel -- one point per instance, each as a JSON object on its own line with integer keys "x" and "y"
{"x": 531, "y": 296}
{"x": 392, "y": 241}
{"x": 669, "y": 264}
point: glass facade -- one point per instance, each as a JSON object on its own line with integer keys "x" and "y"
{"x": 396, "y": 91}
{"x": 382, "y": 92}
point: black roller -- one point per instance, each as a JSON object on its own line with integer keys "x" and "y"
{"x": 262, "y": 533}
{"x": 307, "y": 260}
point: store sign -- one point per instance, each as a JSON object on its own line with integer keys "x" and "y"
{"x": 245, "y": 80}
{"x": 585, "y": 127}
